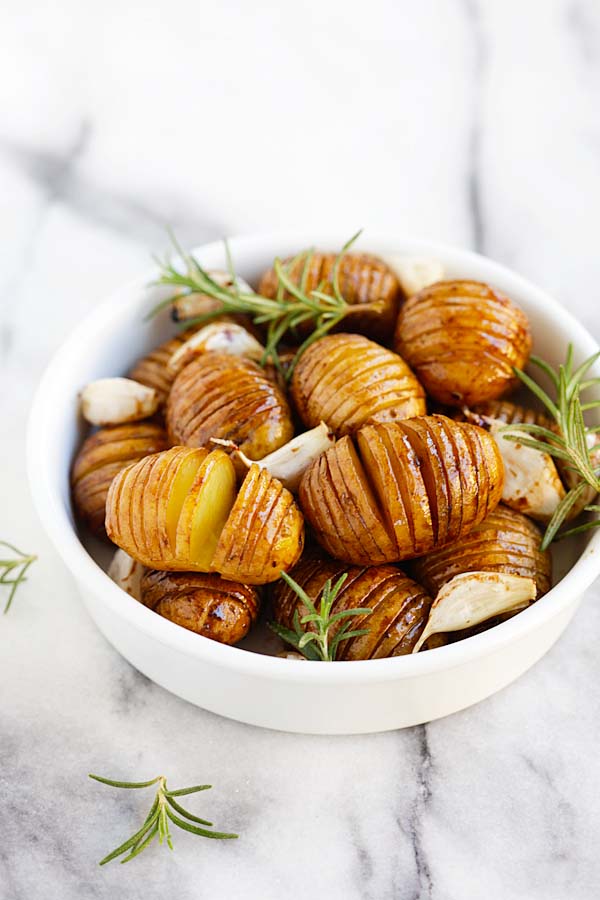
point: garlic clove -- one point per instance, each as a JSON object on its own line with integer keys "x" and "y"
{"x": 474, "y": 597}
{"x": 113, "y": 401}
{"x": 127, "y": 573}
{"x": 291, "y": 654}
{"x": 288, "y": 463}
{"x": 415, "y": 272}
{"x": 190, "y": 305}
{"x": 222, "y": 337}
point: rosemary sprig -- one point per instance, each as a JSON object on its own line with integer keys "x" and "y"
{"x": 164, "y": 808}
{"x": 570, "y": 442}
{"x": 317, "y": 643}
{"x": 15, "y": 567}
{"x": 292, "y": 306}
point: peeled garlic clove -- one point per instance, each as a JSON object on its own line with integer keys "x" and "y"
{"x": 289, "y": 462}
{"x": 190, "y": 305}
{"x": 112, "y": 401}
{"x": 222, "y": 337}
{"x": 531, "y": 481}
{"x": 415, "y": 273}
{"x": 127, "y": 573}
{"x": 474, "y": 597}
{"x": 291, "y": 654}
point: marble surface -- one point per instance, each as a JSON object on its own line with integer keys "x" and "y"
{"x": 463, "y": 120}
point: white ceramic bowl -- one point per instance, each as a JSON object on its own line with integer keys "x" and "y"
{"x": 346, "y": 697}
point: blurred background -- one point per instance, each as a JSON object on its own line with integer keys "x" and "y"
{"x": 475, "y": 122}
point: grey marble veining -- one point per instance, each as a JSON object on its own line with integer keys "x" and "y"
{"x": 470, "y": 121}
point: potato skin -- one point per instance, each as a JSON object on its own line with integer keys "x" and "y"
{"x": 151, "y": 369}
{"x": 399, "y": 605}
{"x": 204, "y": 603}
{"x": 505, "y": 541}
{"x": 366, "y": 282}
{"x": 397, "y": 490}
{"x": 462, "y": 339}
{"x": 228, "y": 397}
{"x": 346, "y": 380}
{"x": 102, "y": 456}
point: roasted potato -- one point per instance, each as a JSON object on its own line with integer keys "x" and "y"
{"x": 178, "y": 511}
{"x": 365, "y": 281}
{"x": 397, "y": 490}
{"x": 152, "y": 369}
{"x": 346, "y": 380}
{"x": 399, "y": 605}
{"x": 102, "y": 456}
{"x": 462, "y": 339}
{"x": 204, "y": 603}
{"x": 228, "y": 397}
{"x": 505, "y": 541}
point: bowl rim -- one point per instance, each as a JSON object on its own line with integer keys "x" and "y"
{"x": 53, "y": 515}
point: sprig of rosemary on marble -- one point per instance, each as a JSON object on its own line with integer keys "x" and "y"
{"x": 318, "y": 644}
{"x": 165, "y": 809}
{"x": 13, "y": 571}
{"x": 292, "y": 306}
{"x": 571, "y": 442}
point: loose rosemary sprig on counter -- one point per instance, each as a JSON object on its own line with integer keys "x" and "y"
{"x": 292, "y": 306}
{"x": 318, "y": 644}
{"x": 570, "y": 442}
{"x": 17, "y": 567}
{"x": 164, "y": 808}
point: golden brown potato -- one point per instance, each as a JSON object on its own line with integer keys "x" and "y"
{"x": 346, "y": 380}
{"x": 462, "y": 339}
{"x": 366, "y": 282}
{"x": 505, "y": 542}
{"x": 206, "y": 604}
{"x": 228, "y": 397}
{"x": 399, "y": 605}
{"x": 505, "y": 411}
{"x": 151, "y": 369}
{"x": 397, "y": 490}
{"x": 178, "y": 511}
{"x": 101, "y": 456}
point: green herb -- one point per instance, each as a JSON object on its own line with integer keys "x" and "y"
{"x": 570, "y": 442}
{"x": 317, "y": 643}
{"x": 13, "y": 571}
{"x": 164, "y": 809}
{"x": 292, "y": 306}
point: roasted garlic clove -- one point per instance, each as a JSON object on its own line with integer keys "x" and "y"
{"x": 365, "y": 281}
{"x": 114, "y": 401}
{"x": 415, "y": 272}
{"x": 220, "y": 337}
{"x": 188, "y": 306}
{"x": 347, "y": 380}
{"x": 203, "y": 603}
{"x": 102, "y": 456}
{"x": 127, "y": 573}
{"x": 462, "y": 339}
{"x": 505, "y": 542}
{"x": 289, "y": 462}
{"x": 397, "y": 490}
{"x": 399, "y": 606}
{"x": 472, "y": 598}
{"x": 222, "y": 396}
{"x": 178, "y": 511}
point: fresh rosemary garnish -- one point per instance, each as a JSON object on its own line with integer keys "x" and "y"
{"x": 292, "y": 307}
{"x": 318, "y": 644}
{"x": 16, "y": 567}
{"x": 164, "y": 808}
{"x": 569, "y": 442}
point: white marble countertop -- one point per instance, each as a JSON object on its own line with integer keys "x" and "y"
{"x": 463, "y": 120}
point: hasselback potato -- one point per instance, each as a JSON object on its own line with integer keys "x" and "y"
{"x": 204, "y": 603}
{"x": 462, "y": 339}
{"x": 104, "y": 454}
{"x": 346, "y": 380}
{"x": 365, "y": 281}
{"x": 228, "y": 397}
{"x": 399, "y": 605}
{"x": 505, "y": 542}
{"x": 152, "y": 369}
{"x": 178, "y": 511}
{"x": 396, "y": 490}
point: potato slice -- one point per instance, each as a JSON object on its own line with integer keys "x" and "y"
{"x": 205, "y": 509}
